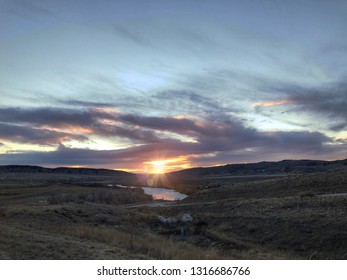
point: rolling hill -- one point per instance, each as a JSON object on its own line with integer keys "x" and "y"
{"x": 266, "y": 168}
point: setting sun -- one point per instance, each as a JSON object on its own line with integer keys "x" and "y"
{"x": 161, "y": 165}
{"x": 158, "y": 166}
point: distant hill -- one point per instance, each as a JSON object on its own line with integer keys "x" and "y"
{"x": 62, "y": 170}
{"x": 260, "y": 168}
{"x": 265, "y": 168}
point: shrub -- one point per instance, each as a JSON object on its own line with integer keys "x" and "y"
{"x": 115, "y": 197}
{"x": 308, "y": 193}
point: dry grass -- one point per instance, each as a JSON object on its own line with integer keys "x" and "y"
{"x": 283, "y": 218}
{"x": 143, "y": 245}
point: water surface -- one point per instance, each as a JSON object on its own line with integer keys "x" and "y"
{"x": 164, "y": 194}
{"x": 159, "y": 193}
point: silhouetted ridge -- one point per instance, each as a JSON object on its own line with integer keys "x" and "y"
{"x": 266, "y": 168}
{"x": 62, "y": 170}
{"x": 260, "y": 168}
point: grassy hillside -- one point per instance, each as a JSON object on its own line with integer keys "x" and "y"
{"x": 266, "y": 168}
{"x": 51, "y": 216}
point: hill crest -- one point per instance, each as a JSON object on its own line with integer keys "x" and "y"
{"x": 266, "y": 168}
{"x": 62, "y": 170}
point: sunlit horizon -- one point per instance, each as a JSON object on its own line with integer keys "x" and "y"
{"x": 160, "y": 86}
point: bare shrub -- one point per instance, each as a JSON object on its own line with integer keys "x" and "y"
{"x": 308, "y": 193}
{"x": 115, "y": 197}
{"x": 3, "y": 212}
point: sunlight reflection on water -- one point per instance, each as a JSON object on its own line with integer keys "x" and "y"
{"x": 159, "y": 193}
{"x": 164, "y": 194}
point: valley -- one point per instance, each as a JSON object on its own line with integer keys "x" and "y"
{"x": 46, "y": 215}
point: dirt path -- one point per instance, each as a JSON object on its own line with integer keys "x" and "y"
{"x": 333, "y": 194}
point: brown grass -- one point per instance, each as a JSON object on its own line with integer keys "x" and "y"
{"x": 283, "y": 218}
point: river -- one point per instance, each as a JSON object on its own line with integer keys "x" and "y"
{"x": 164, "y": 194}
{"x": 160, "y": 193}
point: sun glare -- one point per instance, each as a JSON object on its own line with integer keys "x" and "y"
{"x": 158, "y": 166}
{"x": 161, "y": 165}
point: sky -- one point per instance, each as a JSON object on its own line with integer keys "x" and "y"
{"x": 157, "y": 86}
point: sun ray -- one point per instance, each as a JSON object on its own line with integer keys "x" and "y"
{"x": 158, "y": 166}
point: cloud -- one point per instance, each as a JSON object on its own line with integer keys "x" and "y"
{"x": 226, "y": 133}
{"x": 80, "y": 103}
{"x": 208, "y": 134}
{"x": 328, "y": 101}
{"x": 123, "y": 159}
{"x": 214, "y": 137}
{"x": 179, "y": 125}
{"x": 270, "y": 146}
{"x": 23, "y": 134}
{"x": 340, "y": 126}
{"x": 168, "y": 102}
{"x": 187, "y": 101}
{"x": 47, "y": 121}
{"x": 331, "y": 100}
{"x": 272, "y": 103}
{"x": 294, "y": 141}
{"x": 136, "y": 135}
{"x": 52, "y": 116}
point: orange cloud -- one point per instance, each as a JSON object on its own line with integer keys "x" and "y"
{"x": 179, "y": 117}
{"x": 272, "y": 103}
{"x": 165, "y": 165}
{"x": 68, "y": 128}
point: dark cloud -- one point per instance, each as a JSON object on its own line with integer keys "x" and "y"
{"x": 23, "y": 134}
{"x": 207, "y": 135}
{"x": 93, "y": 120}
{"x": 80, "y": 103}
{"x": 293, "y": 141}
{"x": 331, "y": 101}
{"x": 273, "y": 146}
{"x": 222, "y": 136}
{"x": 124, "y": 158}
{"x": 339, "y": 126}
{"x": 328, "y": 101}
{"x": 51, "y": 116}
{"x": 183, "y": 125}
{"x": 213, "y": 133}
{"x": 219, "y": 133}
{"x": 136, "y": 135}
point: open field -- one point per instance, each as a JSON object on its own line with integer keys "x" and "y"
{"x": 55, "y": 216}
